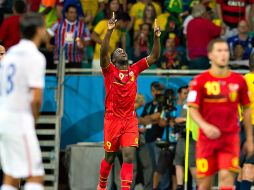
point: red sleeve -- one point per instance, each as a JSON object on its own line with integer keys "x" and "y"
{"x": 140, "y": 66}
{"x": 108, "y": 69}
{"x": 3, "y": 30}
{"x": 244, "y": 93}
{"x": 195, "y": 94}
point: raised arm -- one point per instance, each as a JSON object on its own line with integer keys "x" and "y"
{"x": 104, "y": 57}
{"x": 155, "y": 54}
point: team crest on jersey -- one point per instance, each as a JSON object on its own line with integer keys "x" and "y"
{"x": 132, "y": 76}
{"x": 233, "y": 91}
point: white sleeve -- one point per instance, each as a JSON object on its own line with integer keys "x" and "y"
{"x": 52, "y": 29}
{"x": 36, "y": 72}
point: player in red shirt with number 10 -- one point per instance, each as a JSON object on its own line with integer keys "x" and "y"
{"x": 120, "y": 122}
{"x": 213, "y": 101}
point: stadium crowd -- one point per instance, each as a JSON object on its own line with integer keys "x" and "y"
{"x": 78, "y": 26}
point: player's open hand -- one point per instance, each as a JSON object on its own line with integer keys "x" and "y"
{"x": 211, "y": 131}
{"x": 112, "y": 22}
{"x": 157, "y": 30}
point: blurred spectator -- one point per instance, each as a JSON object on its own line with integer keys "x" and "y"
{"x": 172, "y": 58}
{"x": 231, "y": 12}
{"x": 238, "y": 52}
{"x": 137, "y": 9}
{"x": 141, "y": 43}
{"x": 90, "y": 6}
{"x": 241, "y": 38}
{"x": 200, "y": 31}
{"x": 9, "y": 30}
{"x": 33, "y": 5}
{"x": 111, "y": 6}
{"x": 71, "y": 35}
{"x": 48, "y": 10}
{"x": 117, "y": 37}
{"x": 148, "y": 16}
{"x": 77, "y": 4}
{"x": 169, "y": 23}
{"x": 2, "y": 52}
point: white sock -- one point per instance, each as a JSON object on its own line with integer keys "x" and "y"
{"x": 8, "y": 187}
{"x": 33, "y": 186}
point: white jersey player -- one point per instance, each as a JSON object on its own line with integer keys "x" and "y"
{"x": 21, "y": 86}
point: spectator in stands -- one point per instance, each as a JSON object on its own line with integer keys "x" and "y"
{"x": 238, "y": 51}
{"x": 231, "y": 12}
{"x": 71, "y": 35}
{"x": 80, "y": 12}
{"x": 48, "y": 10}
{"x": 91, "y": 7}
{"x": 169, "y": 23}
{"x": 141, "y": 41}
{"x": 2, "y": 52}
{"x": 148, "y": 16}
{"x": 172, "y": 58}
{"x": 111, "y": 6}
{"x": 117, "y": 38}
{"x": 241, "y": 38}
{"x": 9, "y": 30}
{"x": 200, "y": 31}
{"x": 137, "y": 9}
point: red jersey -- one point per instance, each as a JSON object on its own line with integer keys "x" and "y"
{"x": 10, "y": 31}
{"x": 217, "y": 99}
{"x": 121, "y": 89}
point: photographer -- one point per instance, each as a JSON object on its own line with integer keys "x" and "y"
{"x": 165, "y": 170}
{"x": 152, "y": 127}
{"x": 180, "y": 127}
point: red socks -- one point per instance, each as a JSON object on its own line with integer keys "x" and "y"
{"x": 226, "y": 188}
{"x": 104, "y": 173}
{"x": 126, "y": 176}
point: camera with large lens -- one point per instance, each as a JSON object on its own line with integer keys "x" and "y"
{"x": 180, "y": 128}
{"x": 166, "y": 100}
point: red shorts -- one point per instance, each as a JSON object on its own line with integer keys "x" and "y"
{"x": 120, "y": 132}
{"x": 215, "y": 155}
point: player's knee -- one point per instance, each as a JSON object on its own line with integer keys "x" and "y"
{"x": 248, "y": 172}
{"x": 11, "y": 181}
{"x": 226, "y": 178}
{"x": 35, "y": 179}
{"x": 110, "y": 157}
{"x": 128, "y": 157}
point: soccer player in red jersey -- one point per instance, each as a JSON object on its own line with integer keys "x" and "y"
{"x": 120, "y": 122}
{"x": 213, "y": 100}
